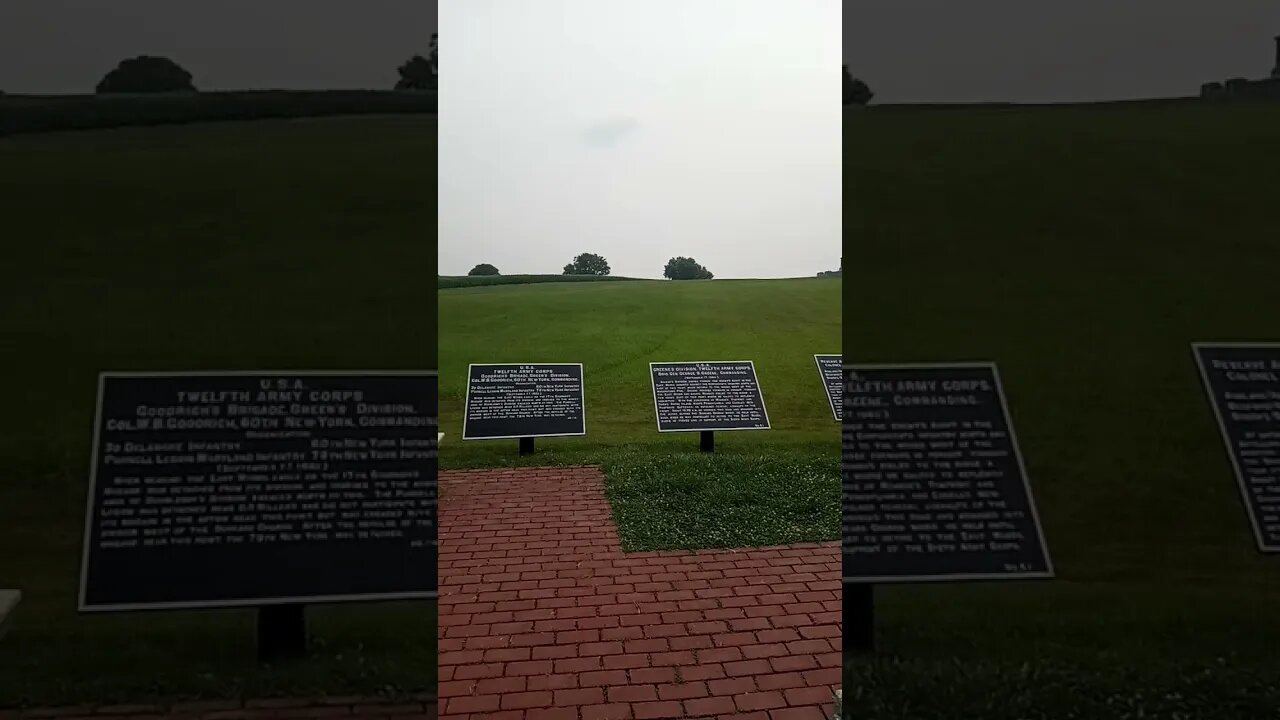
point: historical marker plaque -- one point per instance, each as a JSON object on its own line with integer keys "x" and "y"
{"x": 829, "y": 369}
{"x": 234, "y": 489}
{"x": 524, "y": 400}
{"x": 1243, "y": 383}
{"x": 934, "y": 485}
{"x": 703, "y": 396}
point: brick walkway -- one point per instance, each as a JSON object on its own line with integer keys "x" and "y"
{"x": 334, "y": 708}
{"x": 543, "y": 616}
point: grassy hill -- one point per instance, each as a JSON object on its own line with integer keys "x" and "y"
{"x": 760, "y": 487}
{"x": 1083, "y": 250}
{"x": 616, "y": 329}
{"x": 47, "y": 113}
{"x": 269, "y": 245}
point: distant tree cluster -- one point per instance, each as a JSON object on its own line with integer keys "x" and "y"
{"x": 587, "y": 264}
{"x": 856, "y": 92}
{"x": 684, "y": 268}
{"x": 151, "y": 74}
{"x": 677, "y": 268}
{"x": 146, "y": 74}
{"x": 421, "y": 73}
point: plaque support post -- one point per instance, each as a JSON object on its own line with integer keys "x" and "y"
{"x": 282, "y": 632}
{"x": 707, "y": 441}
{"x": 860, "y": 617}
{"x": 526, "y": 446}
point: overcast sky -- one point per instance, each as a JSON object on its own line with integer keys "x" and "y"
{"x": 66, "y": 46}
{"x": 909, "y": 50}
{"x": 640, "y": 130}
{"x": 1066, "y": 50}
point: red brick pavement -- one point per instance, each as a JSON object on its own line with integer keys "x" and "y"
{"x": 543, "y": 616}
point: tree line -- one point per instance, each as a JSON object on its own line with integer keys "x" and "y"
{"x": 677, "y": 268}
{"x": 856, "y": 92}
{"x": 152, "y": 74}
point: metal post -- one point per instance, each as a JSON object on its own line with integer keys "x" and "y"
{"x": 859, "y": 617}
{"x": 282, "y": 632}
{"x": 707, "y": 442}
{"x": 526, "y": 446}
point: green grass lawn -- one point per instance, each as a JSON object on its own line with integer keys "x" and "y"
{"x": 676, "y": 500}
{"x": 271, "y": 245}
{"x": 1083, "y": 250}
{"x": 760, "y": 487}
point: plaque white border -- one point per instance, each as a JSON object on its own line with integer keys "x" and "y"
{"x": 1245, "y": 495}
{"x": 754, "y": 376}
{"x": 835, "y": 411}
{"x": 582, "y": 396}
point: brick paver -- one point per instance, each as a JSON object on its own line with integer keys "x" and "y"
{"x": 543, "y": 616}
{"x": 299, "y": 708}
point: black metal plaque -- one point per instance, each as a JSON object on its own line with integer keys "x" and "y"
{"x": 829, "y": 369}
{"x": 524, "y": 400}
{"x": 1243, "y": 383}
{"x": 261, "y": 488}
{"x": 934, "y": 485}
{"x": 702, "y": 396}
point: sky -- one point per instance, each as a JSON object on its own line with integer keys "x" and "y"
{"x": 1042, "y": 51}
{"x": 908, "y": 50}
{"x": 640, "y": 130}
{"x": 66, "y": 46}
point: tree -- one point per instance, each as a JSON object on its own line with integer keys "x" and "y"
{"x": 483, "y": 269}
{"x": 146, "y": 74}
{"x": 856, "y": 92}
{"x": 419, "y": 73}
{"x": 416, "y": 74}
{"x": 683, "y": 268}
{"x": 587, "y": 264}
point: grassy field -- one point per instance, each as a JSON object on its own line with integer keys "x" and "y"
{"x": 272, "y": 245}
{"x": 1083, "y": 250}
{"x": 759, "y": 488}
{"x": 47, "y": 113}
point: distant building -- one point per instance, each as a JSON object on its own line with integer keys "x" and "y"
{"x": 1243, "y": 88}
